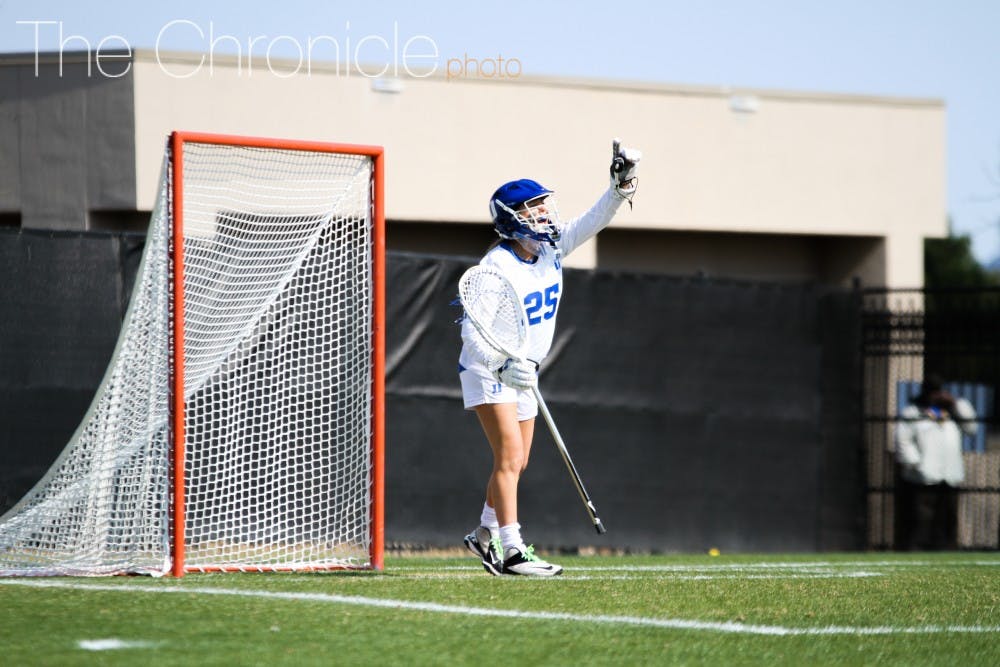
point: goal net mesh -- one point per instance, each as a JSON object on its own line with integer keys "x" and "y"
{"x": 277, "y": 366}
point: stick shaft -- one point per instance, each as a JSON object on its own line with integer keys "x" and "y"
{"x": 561, "y": 446}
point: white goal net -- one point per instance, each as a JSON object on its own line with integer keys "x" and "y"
{"x": 272, "y": 463}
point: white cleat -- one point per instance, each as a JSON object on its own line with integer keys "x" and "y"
{"x": 487, "y": 548}
{"x": 527, "y": 563}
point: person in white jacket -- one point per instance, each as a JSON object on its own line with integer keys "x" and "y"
{"x": 928, "y": 443}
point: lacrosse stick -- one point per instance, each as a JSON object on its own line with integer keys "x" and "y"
{"x": 495, "y": 310}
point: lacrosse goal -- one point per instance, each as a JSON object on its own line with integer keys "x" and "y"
{"x": 239, "y": 425}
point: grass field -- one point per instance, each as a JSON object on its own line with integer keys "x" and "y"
{"x": 845, "y": 609}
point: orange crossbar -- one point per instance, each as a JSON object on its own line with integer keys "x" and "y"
{"x": 283, "y": 144}
{"x": 377, "y": 153}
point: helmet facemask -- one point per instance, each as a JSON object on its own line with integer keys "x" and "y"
{"x": 535, "y": 223}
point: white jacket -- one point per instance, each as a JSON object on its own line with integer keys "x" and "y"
{"x": 929, "y": 449}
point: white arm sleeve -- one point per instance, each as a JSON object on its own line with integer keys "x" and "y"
{"x": 578, "y": 230}
{"x": 965, "y": 416}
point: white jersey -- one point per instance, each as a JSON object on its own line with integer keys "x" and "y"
{"x": 539, "y": 283}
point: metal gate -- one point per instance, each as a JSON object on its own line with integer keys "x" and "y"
{"x": 954, "y": 333}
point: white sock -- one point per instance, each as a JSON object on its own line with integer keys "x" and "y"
{"x": 489, "y": 519}
{"x": 510, "y": 536}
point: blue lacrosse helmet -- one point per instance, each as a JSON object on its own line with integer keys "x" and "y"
{"x": 513, "y": 220}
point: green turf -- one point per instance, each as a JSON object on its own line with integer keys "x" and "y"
{"x": 924, "y": 609}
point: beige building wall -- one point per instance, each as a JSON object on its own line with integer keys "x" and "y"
{"x": 808, "y": 185}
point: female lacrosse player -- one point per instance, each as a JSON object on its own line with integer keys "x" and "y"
{"x": 529, "y": 253}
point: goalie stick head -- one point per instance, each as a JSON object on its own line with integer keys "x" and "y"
{"x": 522, "y": 210}
{"x": 495, "y": 311}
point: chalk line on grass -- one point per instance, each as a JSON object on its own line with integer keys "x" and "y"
{"x": 600, "y": 619}
{"x": 477, "y": 573}
{"x": 114, "y": 644}
{"x": 802, "y": 565}
{"x": 710, "y": 571}
{"x": 751, "y": 567}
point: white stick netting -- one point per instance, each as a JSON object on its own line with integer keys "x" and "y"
{"x": 492, "y": 305}
{"x": 278, "y": 385}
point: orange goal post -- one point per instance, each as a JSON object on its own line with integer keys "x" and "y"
{"x": 240, "y": 423}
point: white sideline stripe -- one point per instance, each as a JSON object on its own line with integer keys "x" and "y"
{"x": 792, "y": 575}
{"x": 433, "y": 607}
{"x": 742, "y": 567}
{"x": 750, "y": 567}
{"x": 469, "y": 573}
{"x": 113, "y": 644}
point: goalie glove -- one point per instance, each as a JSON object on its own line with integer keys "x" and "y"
{"x": 517, "y": 374}
{"x": 624, "y": 162}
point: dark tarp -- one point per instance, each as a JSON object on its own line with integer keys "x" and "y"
{"x": 699, "y": 413}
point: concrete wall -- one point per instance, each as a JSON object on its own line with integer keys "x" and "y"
{"x": 865, "y": 176}
{"x": 802, "y": 164}
{"x": 67, "y": 142}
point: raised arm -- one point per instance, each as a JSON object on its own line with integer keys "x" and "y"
{"x": 624, "y": 163}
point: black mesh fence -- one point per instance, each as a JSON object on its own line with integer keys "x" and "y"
{"x": 700, "y": 413}
{"x": 907, "y": 336}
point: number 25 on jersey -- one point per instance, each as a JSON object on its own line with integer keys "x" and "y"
{"x": 539, "y": 306}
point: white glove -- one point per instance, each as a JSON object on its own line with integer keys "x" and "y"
{"x": 624, "y": 162}
{"x": 517, "y": 374}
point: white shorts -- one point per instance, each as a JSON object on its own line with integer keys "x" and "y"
{"x": 479, "y": 387}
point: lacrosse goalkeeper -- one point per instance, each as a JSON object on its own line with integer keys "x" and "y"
{"x": 533, "y": 241}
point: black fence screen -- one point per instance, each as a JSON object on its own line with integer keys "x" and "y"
{"x": 700, "y": 413}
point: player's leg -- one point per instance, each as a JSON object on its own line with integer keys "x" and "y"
{"x": 479, "y": 387}
{"x": 507, "y": 419}
{"x": 499, "y": 423}
{"x": 527, "y": 435}
{"x": 519, "y": 559}
{"x": 487, "y": 534}
{"x": 527, "y": 428}
{"x": 504, "y": 433}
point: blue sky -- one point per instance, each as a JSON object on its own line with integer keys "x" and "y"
{"x": 945, "y": 49}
